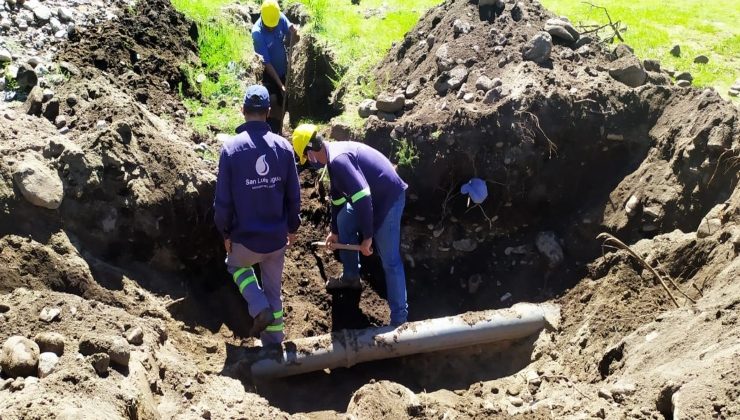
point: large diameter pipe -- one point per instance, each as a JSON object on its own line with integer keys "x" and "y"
{"x": 349, "y": 347}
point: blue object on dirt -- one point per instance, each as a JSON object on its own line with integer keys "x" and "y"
{"x": 476, "y": 189}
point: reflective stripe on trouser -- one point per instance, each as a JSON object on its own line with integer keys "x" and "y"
{"x": 259, "y": 298}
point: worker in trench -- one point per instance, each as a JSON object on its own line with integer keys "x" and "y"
{"x": 368, "y": 198}
{"x": 257, "y": 210}
{"x": 269, "y": 36}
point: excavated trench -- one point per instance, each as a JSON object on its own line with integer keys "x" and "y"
{"x": 552, "y": 164}
{"x": 540, "y": 192}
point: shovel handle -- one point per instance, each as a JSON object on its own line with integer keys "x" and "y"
{"x": 347, "y": 247}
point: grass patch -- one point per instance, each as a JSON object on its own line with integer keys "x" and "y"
{"x": 361, "y": 35}
{"x": 654, "y": 26}
{"x": 225, "y": 51}
{"x": 407, "y": 155}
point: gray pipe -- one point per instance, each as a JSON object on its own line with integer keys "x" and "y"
{"x": 348, "y": 347}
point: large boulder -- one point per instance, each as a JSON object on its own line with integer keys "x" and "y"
{"x": 538, "y": 48}
{"x": 39, "y": 184}
{"x": 19, "y": 357}
{"x": 629, "y": 71}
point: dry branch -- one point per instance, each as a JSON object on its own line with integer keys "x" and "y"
{"x": 615, "y": 26}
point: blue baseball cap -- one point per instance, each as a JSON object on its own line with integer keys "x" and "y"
{"x": 257, "y": 98}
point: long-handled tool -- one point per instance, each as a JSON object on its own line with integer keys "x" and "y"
{"x": 347, "y": 247}
{"x": 287, "y": 79}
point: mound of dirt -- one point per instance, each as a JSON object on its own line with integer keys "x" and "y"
{"x": 141, "y": 52}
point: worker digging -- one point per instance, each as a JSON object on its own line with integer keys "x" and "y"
{"x": 269, "y": 35}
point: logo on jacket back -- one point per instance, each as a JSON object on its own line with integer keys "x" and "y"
{"x": 262, "y": 167}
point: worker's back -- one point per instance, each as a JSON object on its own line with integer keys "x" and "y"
{"x": 258, "y": 180}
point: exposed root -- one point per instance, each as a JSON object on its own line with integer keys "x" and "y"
{"x": 670, "y": 279}
{"x": 734, "y": 160}
{"x": 553, "y": 148}
{"x": 607, "y": 237}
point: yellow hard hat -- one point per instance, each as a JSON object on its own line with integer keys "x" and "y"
{"x": 302, "y": 136}
{"x": 270, "y": 13}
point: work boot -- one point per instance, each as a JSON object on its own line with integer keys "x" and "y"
{"x": 343, "y": 283}
{"x": 261, "y": 321}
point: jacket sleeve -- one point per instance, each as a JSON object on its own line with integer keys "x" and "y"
{"x": 351, "y": 183}
{"x": 292, "y": 195}
{"x": 260, "y": 47}
{"x": 223, "y": 204}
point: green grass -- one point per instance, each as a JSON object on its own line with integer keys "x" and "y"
{"x": 359, "y": 42}
{"x": 654, "y": 26}
{"x": 407, "y": 155}
{"x": 225, "y": 49}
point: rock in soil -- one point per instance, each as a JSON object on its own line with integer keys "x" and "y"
{"x": 26, "y": 78}
{"x": 34, "y": 102}
{"x": 100, "y": 362}
{"x": 135, "y": 336}
{"x": 629, "y": 71}
{"x": 115, "y": 347}
{"x": 548, "y": 245}
{"x": 49, "y": 314}
{"x": 47, "y": 363}
{"x": 390, "y": 103}
{"x": 684, "y": 76}
{"x": 50, "y": 342}
{"x": 38, "y": 183}
{"x": 367, "y": 108}
{"x": 538, "y": 48}
{"x": 19, "y": 357}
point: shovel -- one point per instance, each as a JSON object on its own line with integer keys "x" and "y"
{"x": 287, "y": 79}
{"x": 346, "y": 247}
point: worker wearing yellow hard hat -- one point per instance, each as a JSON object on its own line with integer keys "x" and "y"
{"x": 269, "y": 38}
{"x": 306, "y": 138}
{"x": 368, "y": 198}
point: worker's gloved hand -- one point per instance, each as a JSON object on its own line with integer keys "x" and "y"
{"x": 291, "y": 240}
{"x": 366, "y": 247}
{"x": 227, "y": 245}
{"x": 331, "y": 239}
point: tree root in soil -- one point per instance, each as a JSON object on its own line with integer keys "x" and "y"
{"x": 553, "y": 148}
{"x": 608, "y": 238}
